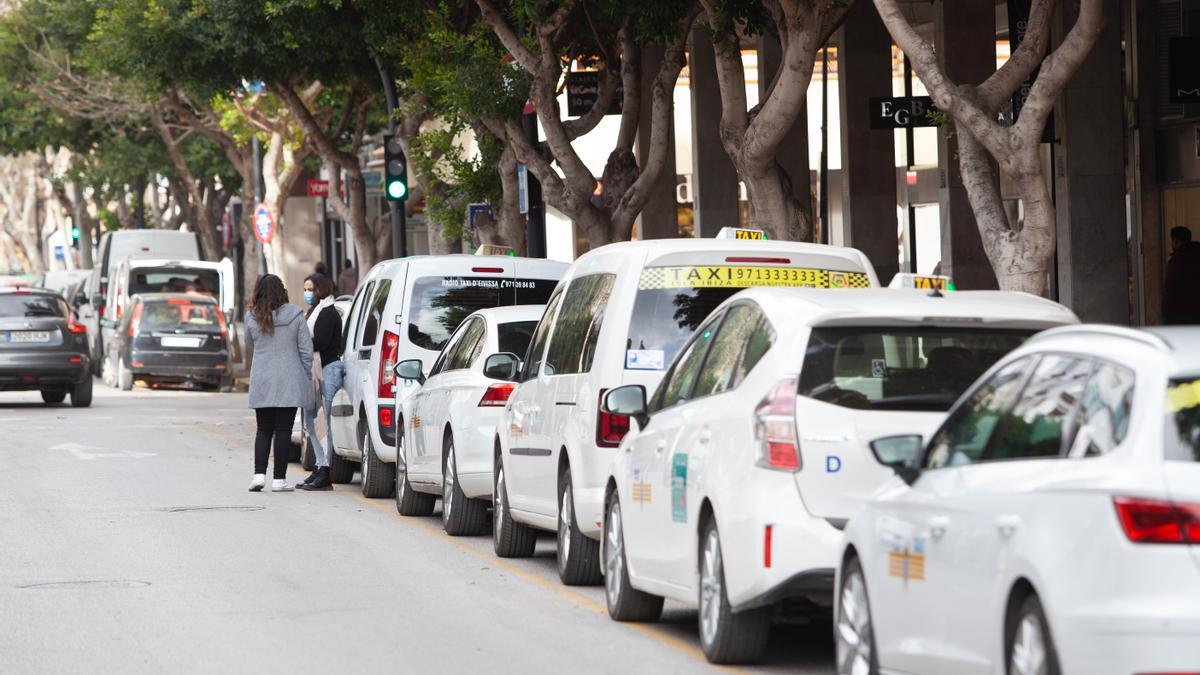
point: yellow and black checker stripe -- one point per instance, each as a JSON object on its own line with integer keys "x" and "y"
{"x": 747, "y": 276}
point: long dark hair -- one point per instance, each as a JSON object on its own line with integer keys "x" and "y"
{"x": 322, "y": 288}
{"x": 269, "y": 295}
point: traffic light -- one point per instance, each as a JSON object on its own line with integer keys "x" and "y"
{"x": 395, "y": 174}
{"x": 75, "y": 236}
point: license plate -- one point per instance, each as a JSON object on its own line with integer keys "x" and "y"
{"x": 181, "y": 342}
{"x": 29, "y": 336}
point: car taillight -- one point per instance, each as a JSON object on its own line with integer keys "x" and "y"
{"x": 387, "y": 364}
{"x": 222, "y": 326}
{"x": 385, "y": 417}
{"x": 775, "y": 441}
{"x": 496, "y": 395}
{"x": 76, "y": 328}
{"x": 1154, "y": 521}
{"x": 610, "y": 428}
{"x": 135, "y": 325}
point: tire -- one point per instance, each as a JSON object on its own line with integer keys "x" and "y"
{"x": 225, "y": 385}
{"x": 308, "y": 456}
{"x": 625, "y": 603}
{"x": 726, "y": 637}
{"x": 461, "y": 515}
{"x": 510, "y": 539}
{"x": 378, "y": 480}
{"x": 1028, "y": 641}
{"x": 341, "y": 470}
{"x": 578, "y": 555}
{"x": 53, "y": 396}
{"x": 409, "y": 502}
{"x": 81, "y": 395}
{"x": 853, "y": 630}
{"x": 124, "y": 376}
{"x": 107, "y": 374}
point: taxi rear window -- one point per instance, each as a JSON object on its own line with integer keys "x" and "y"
{"x": 1182, "y": 434}
{"x": 439, "y": 304}
{"x": 179, "y": 314}
{"x": 672, "y": 300}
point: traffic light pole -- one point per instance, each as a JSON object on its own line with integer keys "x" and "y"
{"x": 399, "y": 229}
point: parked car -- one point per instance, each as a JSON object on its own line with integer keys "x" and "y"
{"x": 1050, "y": 525}
{"x": 731, "y": 491}
{"x": 408, "y": 309}
{"x": 620, "y": 316}
{"x": 450, "y": 422}
{"x": 42, "y": 346}
{"x": 175, "y": 338}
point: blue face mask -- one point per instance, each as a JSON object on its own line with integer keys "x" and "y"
{"x": 308, "y": 297}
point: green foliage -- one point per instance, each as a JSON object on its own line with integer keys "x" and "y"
{"x": 465, "y": 178}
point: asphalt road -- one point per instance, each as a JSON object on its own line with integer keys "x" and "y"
{"x": 129, "y": 544}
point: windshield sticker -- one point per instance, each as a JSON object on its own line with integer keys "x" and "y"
{"x": 679, "y": 487}
{"x": 641, "y": 489}
{"x": 1183, "y": 396}
{"x": 645, "y": 359}
{"x": 743, "y": 276}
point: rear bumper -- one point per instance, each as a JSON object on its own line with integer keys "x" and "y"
{"x": 179, "y": 365}
{"x": 21, "y": 372}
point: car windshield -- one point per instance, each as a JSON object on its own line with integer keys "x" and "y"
{"x": 514, "y": 337}
{"x": 179, "y": 314}
{"x": 672, "y": 301}
{"x": 900, "y": 368}
{"x": 439, "y": 304}
{"x": 174, "y": 280}
{"x": 1182, "y": 434}
{"x": 31, "y": 306}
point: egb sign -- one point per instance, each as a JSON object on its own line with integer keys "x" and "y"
{"x": 901, "y": 112}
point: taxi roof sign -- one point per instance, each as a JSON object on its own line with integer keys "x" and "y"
{"x": 741, "y": 233}
{"x": 495, "y": 249}
{"x": 928, "y": 282}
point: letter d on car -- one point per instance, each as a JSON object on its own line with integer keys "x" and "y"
{"x": 833, "y": 464}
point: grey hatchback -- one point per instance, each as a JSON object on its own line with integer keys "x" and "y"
{"x": 42, "y": 348}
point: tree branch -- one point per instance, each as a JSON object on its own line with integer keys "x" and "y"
{"x": 508, "y": 37}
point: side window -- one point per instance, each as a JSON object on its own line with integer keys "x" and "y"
{"x": 439, "y": 364}
{"x": 966, "y": 433}
{"x": 677, "y": 387}
{"x": 370, "y": 331}
{"x": 578, "y": 326}
{"x": 1042, "y": 421}
{"x": 1104, "y": 411}
{"x": 358, "y": 313}
{"x": 537, "y": 346}
{"x": 465, "y": 347}
{"x": 725, "y": 365}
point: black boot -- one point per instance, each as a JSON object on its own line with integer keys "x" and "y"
{"x": 311, "y": 477}
{"x": 321, "y": 482}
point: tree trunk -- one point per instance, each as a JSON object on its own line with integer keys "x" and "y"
{"x": 202, "y": 222}
{"x": 81, "y": 219}
{"x": 510, "y": 222}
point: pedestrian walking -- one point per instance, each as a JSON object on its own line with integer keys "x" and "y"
{"x": 280, "y": 376}
{"x": 320, "y": 268}
{"x": 1181, "y": 287}
{"x": 348, "y": 279}
{"x": 325, "y": 324}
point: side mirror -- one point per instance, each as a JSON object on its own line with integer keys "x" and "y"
{"x": 629, "y": 401}
{"x": 901, "y": 453}
{"x": 502, "y": 366}
{"x": 412, "y": 369}
{"x": 80, "y": 298}
{"x": 96, "y": 300}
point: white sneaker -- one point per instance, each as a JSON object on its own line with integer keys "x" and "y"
{"x": 256, "y": 485}
{"x": 280, "y": 485}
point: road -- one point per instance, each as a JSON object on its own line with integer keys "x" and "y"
{"x": 130, "y": 544}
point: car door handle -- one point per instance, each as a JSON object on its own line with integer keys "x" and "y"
{"x": 938, "y": 526}
{"x": 1007, "y": 526}
{"x": 660, "y": 445}
{"x": 705, "y": 435}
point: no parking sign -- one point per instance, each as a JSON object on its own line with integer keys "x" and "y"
{"x": 264, "y": 224}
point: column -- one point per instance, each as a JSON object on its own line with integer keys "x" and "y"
{"x": 965, "y": 39}
{"x": 714, "y": 179}
{"x": 660, "y": 218}
{"x": 869, "y": 219}
{"x": 793, "y": 154}
{"x": 1093, "y": 255}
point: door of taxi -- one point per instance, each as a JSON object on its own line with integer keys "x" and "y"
{"x": 466, "y": 345}
{"x": 345, "y": 421}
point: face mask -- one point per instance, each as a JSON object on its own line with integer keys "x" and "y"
{"x": 308, "y": 297}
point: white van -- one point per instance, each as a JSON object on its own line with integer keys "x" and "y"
{"x": 618, "y": 318}
{"x": 408, "y": 309}
{"x": 115, "y": 247}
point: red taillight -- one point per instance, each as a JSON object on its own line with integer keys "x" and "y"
{"x": 76, "y": 328}
{"x": 385, "y": 417}
{"x": 610, "y": 428}
{"x": 488, "y": 270}
{"x": 747, "y": 259}
{"x": 1153, "y": 521}
{"x": 767, "y": 545}
{"x": 775, "y": 428}
{"x": 387, "y": 364}
{"x": 497, "y": 395}
{"x": 221, "y": 324}
{"x": 135, "y": 326}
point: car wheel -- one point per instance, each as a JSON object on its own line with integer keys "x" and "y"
{"x": 510, "y": 539}
{"x": 308, "y": 456}
{"x": 225, "y": 385}
{"x": 625, "y": 603}
{"x": 341, "y": 470}
{"x": 107, "y": 376}
{"x": 853, "y": 629}
{"x": 409, "y": 502}
{"x": 81, "y": 395}
{"x": 1030, "y": 647}
{"x": 124, "y": 376}
{"x": 578, "y": 555}
{"x": 377, "y": 479}
{"x": 461, "y": 515}
{"x": 726, "y": 637}
{"x": 53, "y": 396}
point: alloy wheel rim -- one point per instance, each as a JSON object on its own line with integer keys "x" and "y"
{"x": 710, "y": 587}
{"x": 364, "y": 462}
{"x": 565, "y": 516}
{"x": 498, "y": 502}
{"x": 448, "y": 485}
{"x": 1029, "y": 648}
{"x": 613, "y": 559}
{"x": 854, "y": 628}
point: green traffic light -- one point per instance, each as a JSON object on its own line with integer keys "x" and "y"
{"x": 397, "y": 189}
{"x": 74, "y": 232}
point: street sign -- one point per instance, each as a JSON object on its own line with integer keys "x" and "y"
{"x": 318, "y": 188}
{"x": 374, "y": 182}
{"x": 474, "y": 211}
{"x": 901, "y": 112}
{"x": 264, "y": 224}
{"x": 522, "y": 189}
{"x": 583, "y": 88}
{"x": 1183, "y": 53}
{"x": 59, "y": 254}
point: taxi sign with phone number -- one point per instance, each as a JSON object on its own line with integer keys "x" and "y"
{"x": 746, "y": 276}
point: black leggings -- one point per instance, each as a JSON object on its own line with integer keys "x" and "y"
{"x": 273, "y": 423}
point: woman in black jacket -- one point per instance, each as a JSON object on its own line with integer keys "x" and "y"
{"x": 326, "y": 326}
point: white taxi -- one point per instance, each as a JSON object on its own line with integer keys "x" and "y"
{"x": 1051, "y": 524}
{"x": 747, "y": 461}
{"x": 619, "y": 316}
{"x": 447, "y": 426}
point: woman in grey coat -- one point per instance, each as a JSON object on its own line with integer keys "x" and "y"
{"x": 280, "y": 376}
